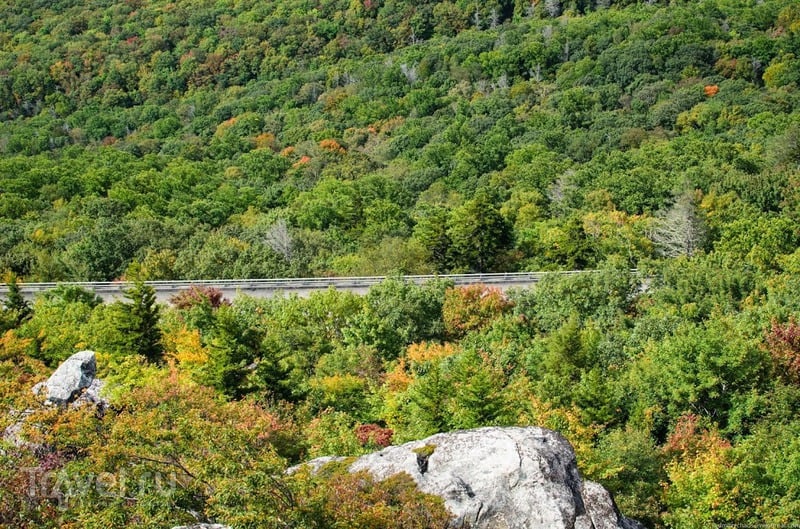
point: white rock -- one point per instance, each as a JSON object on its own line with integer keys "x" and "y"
{"x": 74, "y": 374}
{"x": 502, "y": 478}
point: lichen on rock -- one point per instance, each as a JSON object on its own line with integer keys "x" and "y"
{"x": 502, "y": 478}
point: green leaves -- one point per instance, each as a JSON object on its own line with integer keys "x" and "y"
{"x": 140, "y": 322}
{"x": 478, "y": 236}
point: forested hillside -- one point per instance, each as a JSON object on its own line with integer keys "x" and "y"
{"x": 148, "y": 139}
{"x": 255, "y": 139}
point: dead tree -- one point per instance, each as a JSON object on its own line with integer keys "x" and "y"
{"x": 681, "y": 229}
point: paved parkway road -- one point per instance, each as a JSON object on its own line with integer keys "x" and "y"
{"x": 286, "y": 287}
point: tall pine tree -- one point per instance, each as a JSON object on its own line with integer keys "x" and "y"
{"x": 15, "y": 308}
{"x": 139, "y": 322}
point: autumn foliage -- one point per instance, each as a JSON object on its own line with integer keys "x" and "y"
{"x": 333, "y": 146}
{"x": 357, "y": 501}
{"x": 374, "y": 435}
{"x": 198, "y": 295}
{"x": 472, "y": 308}
{"x": 783, "y": 343}
{"x": 164, "y": 140}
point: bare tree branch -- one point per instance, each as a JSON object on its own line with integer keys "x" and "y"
{"x": 279, "y": 239}
{"x": 680, "y": 230}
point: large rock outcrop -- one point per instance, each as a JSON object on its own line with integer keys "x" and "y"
{"x": 73, "y": 376}
{"x": 72, "y": 383}
{"x": 502, "y": 478}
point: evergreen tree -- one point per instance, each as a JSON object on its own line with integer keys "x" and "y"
{"x": 15, "y": 308}
{"x": 139, "y": 322}
{"x": 479, "y": 236}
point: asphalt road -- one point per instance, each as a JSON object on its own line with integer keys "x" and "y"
{"x": 230, "y": 288}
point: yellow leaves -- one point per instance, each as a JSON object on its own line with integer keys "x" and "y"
{"x": 12, "y": 345}
{"x": 700, "y": 487}
{"x": 567, "y": 422}
{"x": 233, "y": 172}
{"x": 524, "y": 209}
{"x": 778, "y": 74}
{"x": 38, "y": 236}
{"x": 186, "y": 346}
{"x": 698, "y": 490}
{"x": 398, "y": 379}
{"x": 18, "y": 371}
{"x": 419, "y": 353}
{"x": 333, "y": 98}
{"x": 417, "y": 356}
{"x": 603, "y": 223}
{"x": 789, "y": 18}
{"x": 616, "y": 232}
{"x": 338, "y": 384}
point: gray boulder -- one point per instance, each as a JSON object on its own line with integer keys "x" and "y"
{"x": 502, "y": 478}
{"x": 73, "y": 375}
{"x": 602, "y": 510}
{"x": 72, "y": 383}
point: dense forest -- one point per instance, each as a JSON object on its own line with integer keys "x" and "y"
{"x": 655, "y": 144}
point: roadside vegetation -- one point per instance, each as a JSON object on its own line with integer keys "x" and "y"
{"x": 153, "y": 140}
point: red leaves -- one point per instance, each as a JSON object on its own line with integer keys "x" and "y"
{"x": 197, "y": 295}
{"x": 372, "y": 434}
{"x": 783, "y": 343}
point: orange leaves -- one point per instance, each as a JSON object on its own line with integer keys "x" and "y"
{"x": 18, "y": 372}
{"x": 229, "y": 122}
{"x": 399, "y": 378}
{"x": 417, "y": 357}
{"x": 702, "y": 489}
{"x": 12, "y": 345}
{"x": 332, "y": 146}
{"x": 472, "y": 308}
{"x": 265, "y": 140}
{"x": 711, "y": 90}
{"x": 351, "y": 501}
{"x": 427, "y": 351}
{"x": 374, "y": 435}
{"x": 689, "y": 440}
{"x": 304, "y": 160}
{"x": 385, "y": 126}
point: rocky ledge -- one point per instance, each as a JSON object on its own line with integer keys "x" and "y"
{"x": 501, "y": 478}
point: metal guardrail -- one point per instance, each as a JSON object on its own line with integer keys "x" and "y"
{"x": 290, "y": 284}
